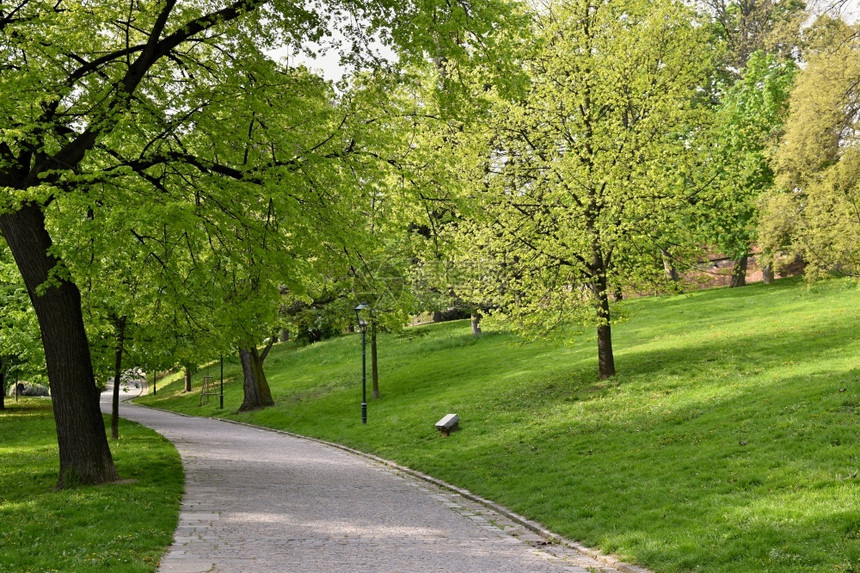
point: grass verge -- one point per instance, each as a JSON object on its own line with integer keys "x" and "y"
{"x": 727, "y": 443}
{"x": 124, "y": 527}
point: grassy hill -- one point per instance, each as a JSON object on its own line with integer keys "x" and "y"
{"x": 728, "y": 442}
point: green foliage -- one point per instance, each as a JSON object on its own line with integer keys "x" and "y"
{"x": 578, "y": 183}
{"x": 748, "y": 26}
{"x": 746, "y": 125}
{"x": 727, "y": 444}
{"x": 818, "y": 159}
{"x": 21, "y": 354}
{"x": 410, "y": 211}
{"x": 207, "y": 261}
{"x": 117, "y": 527}
{"x": 381, "y": 275}
{"x": 166, "y": 161}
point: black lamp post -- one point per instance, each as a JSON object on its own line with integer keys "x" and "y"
{"x": 362, "y": 326}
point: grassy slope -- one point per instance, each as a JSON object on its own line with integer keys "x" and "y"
{"x": 122, "y": 527}
{"x": 725, "y": 443}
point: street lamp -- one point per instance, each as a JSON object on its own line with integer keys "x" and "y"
{"x": 362, "y": 326}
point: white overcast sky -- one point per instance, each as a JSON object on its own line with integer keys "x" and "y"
{"x": 854, "y": 11}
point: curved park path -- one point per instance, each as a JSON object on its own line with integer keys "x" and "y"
{"x": 258, "y": 500}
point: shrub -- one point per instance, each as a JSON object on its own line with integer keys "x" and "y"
{"x": 29, "y": 389}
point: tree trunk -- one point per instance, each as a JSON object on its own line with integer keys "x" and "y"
{"x": 374, "y": 364}
{"x": 767, "y": 274}
{"x": 187, "y": 379}
{"x": 2, "y": 386}
{"x": 437, "y": 316}
{"x": 119, "y": 327}
{"x": 739, "y": 272}
{"x": 605, "y": 357}
{"x": 669, "y": 266}
{"x": 476, "y": 324}
{"x": 154, "y": 381}
{"x": 600, "y": 289}
{"x": 256, "y": 387}
{"x": 84, "y": 451}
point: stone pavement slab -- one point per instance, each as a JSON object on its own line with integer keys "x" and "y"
{"x": 259, "y": 500}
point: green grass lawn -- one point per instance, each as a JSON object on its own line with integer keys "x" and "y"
{"x": 728, "y": 442}
{"x": 121, "y": 527}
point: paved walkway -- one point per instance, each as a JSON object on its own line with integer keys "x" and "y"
{"x": 257, "y": 500}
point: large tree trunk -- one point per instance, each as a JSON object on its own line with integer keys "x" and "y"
{"x": 84, "y": 452}
{"x": 476, "y": 323}
{"x": 257, "y": 392}
{"x": 739, "y": 272}
{"x": 187, "y": 379}
{"x": 119, "y": 326}
{"x": 767, "y": 274}
{"x": 374, "y": 364}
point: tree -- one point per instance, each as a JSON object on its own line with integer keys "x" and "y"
{"x": 379, "y": 271}
{"x": 746, "y": 125}
{"x": 744, "y": 28}
{"x": 255, "y": 385}
{"x": 815, "y": 214}
{"x": 380, "y": 281}
{"x": 100, "y": 102}
{"x": 409, "y": 263}
{"x": 122, "y": 298}
{"x": 72, "y": 91}
{"x": 749, "y": 26}
{"x": 587, "y": 167}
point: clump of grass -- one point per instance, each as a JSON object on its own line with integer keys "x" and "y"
{"x": 123, "y": 526}
{"x": 727, "y": 443}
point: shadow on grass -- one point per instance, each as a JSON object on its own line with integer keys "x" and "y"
{"x": 759, "y": 474}
{"x": 118, "y": 526}
{"x": 730, "y": 437}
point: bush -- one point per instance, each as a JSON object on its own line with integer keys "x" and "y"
{"x": 29, "y": 389}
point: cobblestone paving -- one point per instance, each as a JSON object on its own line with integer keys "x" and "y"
{"x": 257, "y": 500}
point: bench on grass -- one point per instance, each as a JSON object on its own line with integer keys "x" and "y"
{"x": 448, "y": 424}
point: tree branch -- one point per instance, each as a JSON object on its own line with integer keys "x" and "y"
{"x": 73, "y": 153}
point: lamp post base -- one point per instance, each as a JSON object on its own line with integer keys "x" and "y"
{"x": 364, "y": 412}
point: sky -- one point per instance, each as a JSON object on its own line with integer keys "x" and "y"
{"x": 853, "y": 10}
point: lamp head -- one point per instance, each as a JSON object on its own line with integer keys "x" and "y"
{"x": 362, "y": 324}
